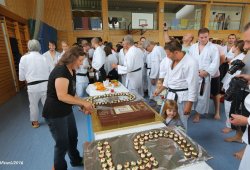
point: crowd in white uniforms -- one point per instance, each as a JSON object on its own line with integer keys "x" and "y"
{"x": 186, "y": 71}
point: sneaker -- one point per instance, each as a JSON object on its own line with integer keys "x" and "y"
{"x": 35, "y": 124}
{"x": 78, "y": 163}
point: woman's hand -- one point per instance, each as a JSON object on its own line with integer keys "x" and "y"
{"x": 87, "y": 107}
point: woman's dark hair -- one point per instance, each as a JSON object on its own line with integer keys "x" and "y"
{"x": 173, "y": 45}
{"x": 240, "y": 45}
{"x": 53, "y": 42}
{"x": 71, "y": 55}
{"x": 118, "y": 48}
{"x": 107, "y": 50}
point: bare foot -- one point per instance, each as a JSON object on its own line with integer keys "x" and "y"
{"x": 239, "y": 154}
{"x": 235, "y": 138}
{"x": 196, "y": 118}
{"x": 217, "y": 116}
{"x": 227, "y": 130}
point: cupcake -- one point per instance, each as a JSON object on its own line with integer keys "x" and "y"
{"x": 175, "y": 139}
{"x": 179, "y": 142}
{"x": 187, "y": 154}
{"x": 148, "y": 165}
{"x": 191, "y": 149}
{"x": 161, "y": 131}
{"x": 175, "y": 135}
{"x": 149, "y": 154}
{"x": 108, "y": 154}
{"x": 142, "y": 135}
{"x": 105, "y": 143}
{"x": 166, "y": 135}
{"x": 136, "y": 148}
{"x": 155, "y": 163}
{"x": 151, "y": 132}
{"x": 146, "y": 134}
{"x": 101, "y": 155}
{"x": 146, "y": 138}
{"x": 119, "y": 167}
{"x": 143, "y": 147}
{"x": 171, "y": 136}
{"x": 135, "y": 140}
{"x": 195, "y": 154}
{"x": 103, "y": 160}
{"x": 139, "y": 162}
{"x": 160, "y": 134}
{"x": 136, "y": 143}
{"x": 141, "y": 167}
{"x": 133, "y": 163}
{"x": 151, "y": 136}
{"x": 156, "y": 136}
{"x": 152, "y": 159}
{"x": 126, "y": 165}
{"x": 104, "y": 165}
{"x": 99, "y": 148}
{"x": 145, "y": 151}
{"x": 135, "y": 168}
{"x": 141, "y": 142}
{"x": 108, "y": 147}
{"x": 139, "y": 151}
{"x": 143, "y": 155}
{"x": 145, "y": 160}
{"x": 110, "y": 164}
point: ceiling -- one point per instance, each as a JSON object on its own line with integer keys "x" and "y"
{"x": 122, "y": 5}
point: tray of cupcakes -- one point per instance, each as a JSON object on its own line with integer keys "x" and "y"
{"x": 164, "y": 148}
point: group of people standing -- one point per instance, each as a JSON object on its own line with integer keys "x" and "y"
{"x": 190, "y": 73}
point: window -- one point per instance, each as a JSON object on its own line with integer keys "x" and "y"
{"x": 183, "y": 17}
{"x": 86, "y": 14}
{"x": 226, "y": 18}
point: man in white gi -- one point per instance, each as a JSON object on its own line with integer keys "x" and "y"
{"x": 133, "y": 64}
{"x": 231, "y": 39}
{"x": 181, "y": 79}
{"x": 52, "y": 55}
{"x": 207, "y": 56}
{"x": 121, "y": 58}
{"x": 156, "y": 54}
{"x": 98, "y": 61}
{"x": 34, "y": 69}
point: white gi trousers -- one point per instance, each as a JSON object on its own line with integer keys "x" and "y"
{"x": 34, "y": 98}
{"x": 81, "y": 89}
{"x": 202, "y": 104}
{"x": 227, "y": 106}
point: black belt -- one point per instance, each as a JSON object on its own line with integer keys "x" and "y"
{"x": 36, "y": 82}
{"x": 176, "y": 90}
{"x": 136, "y": 70}
{"x": 148, "y": 68}
{"x": 81, "y": 74}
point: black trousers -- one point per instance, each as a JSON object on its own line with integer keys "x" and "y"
{"x": 65, "y": 134}
{"x": 238, "y": 107}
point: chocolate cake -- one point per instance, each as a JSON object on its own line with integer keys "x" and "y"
{"x": 125, "y": 112}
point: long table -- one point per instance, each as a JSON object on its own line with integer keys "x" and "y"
{"x": 103, "y": 132}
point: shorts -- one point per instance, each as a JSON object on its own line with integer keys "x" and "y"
{"x": 215, "y": 86}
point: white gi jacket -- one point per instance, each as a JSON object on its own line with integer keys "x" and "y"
{"x": 133, "y": 61}
{"x": 50, "y": 60}
{"x": 34, "y": 67}
{"x": 98, "y": 58}
{"x": 183, "y": 76}
{"x": 164, "y": 67}
{"x": 153, "y": 61}
{"x": 109, "y": 60}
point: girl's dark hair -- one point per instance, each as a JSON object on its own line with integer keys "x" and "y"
{"x": 107, "y": 50}
{"x": 240, "y": 45}
{"x": 71, "y": 55}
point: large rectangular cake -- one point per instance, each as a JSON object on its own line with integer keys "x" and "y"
{"x": 125, "y": 112}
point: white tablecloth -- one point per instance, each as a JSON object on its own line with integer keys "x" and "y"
{"x": 91, "y": 90}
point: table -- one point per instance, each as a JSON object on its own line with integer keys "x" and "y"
{"x": 100, "y": 132}
{"x": 91, "y": 90}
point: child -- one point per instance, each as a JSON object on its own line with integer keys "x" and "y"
{"x": 161, "y": 97}
{"x": 170, "y": 114}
